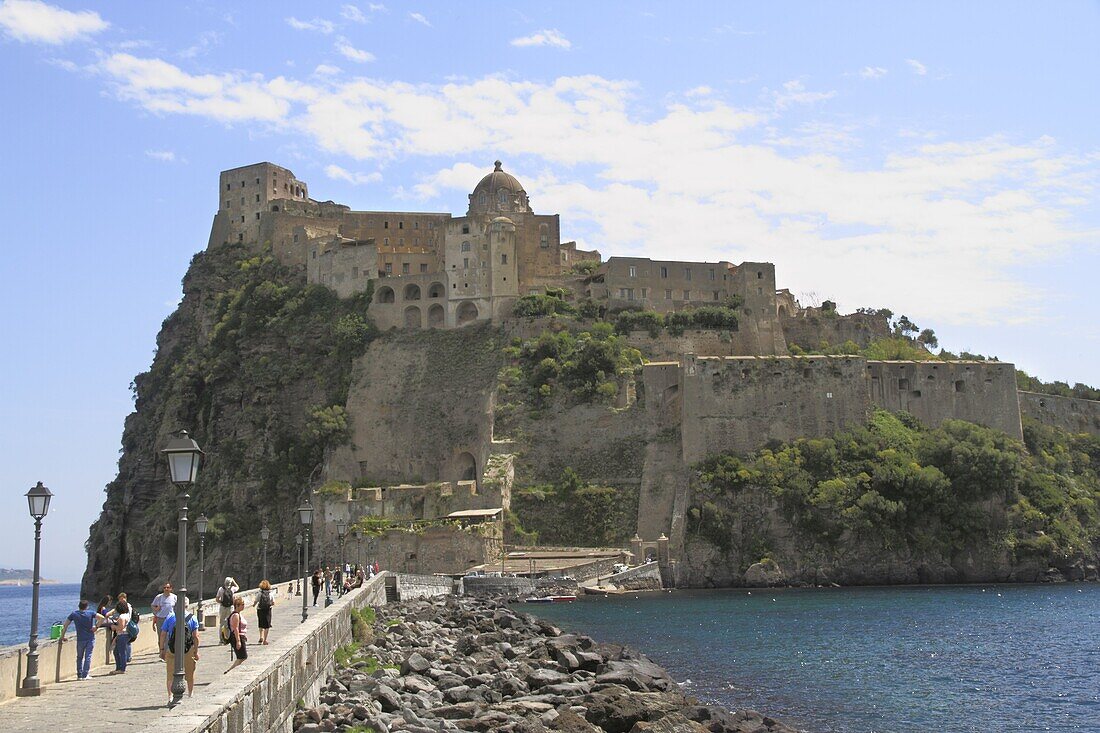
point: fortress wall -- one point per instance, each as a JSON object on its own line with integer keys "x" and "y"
{"x": 740, "y": 403}
{"x": 701, "y": 342}
{"x": 420, "y": 407}
{"x": 809, "y": 332}
{"x": 934, "y": 391}
{"x": 1067, "y": 413}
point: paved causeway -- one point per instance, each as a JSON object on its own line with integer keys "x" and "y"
{"x": 135, "y": 700}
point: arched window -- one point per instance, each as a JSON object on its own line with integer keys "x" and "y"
{"x": 436, "y": 290}
{"x": 385, "y": 295}
{"x": 465, "y": 246}
{"x": 435, "y": 316}
{"x": 466, "y": 312}
{"x": 412, "y": 292}
{"x": 502, "y": 194}
{"x": 482, "y": 199}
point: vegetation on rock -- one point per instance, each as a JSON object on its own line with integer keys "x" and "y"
{"x": 911, "y": 491}
{"x": 572, "y": 512}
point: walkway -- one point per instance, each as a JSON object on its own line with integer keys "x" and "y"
{"x": 134, "y": 701}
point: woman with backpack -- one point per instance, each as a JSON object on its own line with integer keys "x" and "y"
{"x": 238, "y": 634}
{"x": 225, "y": 596}
{"x": 190, "y": 651}
{"x": 122, "y": 626}
{"x": 263, "y": 609}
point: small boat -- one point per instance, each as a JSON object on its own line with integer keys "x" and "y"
{"x": 603, "y": 591}
{"x": 550, "y": 599}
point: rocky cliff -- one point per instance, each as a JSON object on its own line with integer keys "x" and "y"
{"x": 256, "y": 365}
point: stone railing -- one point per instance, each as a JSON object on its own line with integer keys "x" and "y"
{"x": 423, "y": 586}
{"x": 265, "y": 697}
{"x": 57, "y": 661}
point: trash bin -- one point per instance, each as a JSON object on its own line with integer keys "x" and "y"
{"x": 55, "y": 631}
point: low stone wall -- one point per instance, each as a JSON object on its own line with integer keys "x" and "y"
{"x": 57, "y": 661}
{"x": 641, "y": 577}
{"x": 266, "y": 699}
{"x": 424, "y": 586}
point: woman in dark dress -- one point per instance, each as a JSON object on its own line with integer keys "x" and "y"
{"x": 318, "y": 579}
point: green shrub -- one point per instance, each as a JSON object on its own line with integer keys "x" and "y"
{"x": 551, "y": 303}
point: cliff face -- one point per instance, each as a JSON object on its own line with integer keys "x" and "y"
{"x": 255, "y": 364}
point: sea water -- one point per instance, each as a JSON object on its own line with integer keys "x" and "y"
{"x": 853, "y": 660}
{"x": 55, "y": 603}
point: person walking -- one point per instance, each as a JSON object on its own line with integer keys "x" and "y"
{"x": 316, "y": 582}
{"x": 120, "y": 620}
{"x": 238, "y": 634}
{"x": 328, "y": 581}
{"x": 163, "y": 605}
{"x": 264, "y": 604}
{"x": 104, "y": 610}
{"x": 86, "y": 621}
{"x": 338, "y": 581}
{"x": 190, "y": 650}
{"x": 225, "y": 597}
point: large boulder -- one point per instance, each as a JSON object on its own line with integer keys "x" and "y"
{"x": 764, "y": 574}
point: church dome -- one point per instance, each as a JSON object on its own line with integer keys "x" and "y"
{"x": 498, "y": 192}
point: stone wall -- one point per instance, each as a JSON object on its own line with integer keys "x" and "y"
{"x": 738, "y": 404}
{"x": 810, "y": 331}
{"x": 266, "y": 699}
{"x": 640, "y": 577}
{"x": 420, "y": 408}
{"x": 425, "y": 586}
{"x": 934, "y": 391}
{"x": 1067, "y": 413}
{"x": 443, "y": 549}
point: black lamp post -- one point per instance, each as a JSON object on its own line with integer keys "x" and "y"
{"x": 38, "y": 501}
{"x": 200, "y": 526}
{"x": 265, "y": 534}
{"x": 298, "y": 540}
{"x": 341, "y": 532}
{"x": 183, "y": 455}
{"x": 358, "y": 550}
{"x": 305, "y": 516}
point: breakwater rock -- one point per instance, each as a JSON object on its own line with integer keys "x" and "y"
{"x": 461, "y": 664}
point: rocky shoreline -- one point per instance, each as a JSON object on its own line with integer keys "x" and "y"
{"x": 464, "y": 664}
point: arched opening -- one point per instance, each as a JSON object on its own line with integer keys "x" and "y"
{"x": 385, "y": 295}
{"x": 466, "y": 313}
{"x": 783, "y": 312}
{"x": 436, "y": 290}
{"x": 435, "y": 316}
{"x": 651, "y": 554}
{"x": 412, "y": 317}
{"x": 467, "y": 468}
{"x": 412, "y": 291}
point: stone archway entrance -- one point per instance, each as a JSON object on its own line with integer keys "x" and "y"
{"x": 412, "y": 317}
{"x": 467, "y": 467}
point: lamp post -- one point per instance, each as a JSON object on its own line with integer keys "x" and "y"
{"x": 358, "y": 550}
{"x": 183, "y": 455}
{"x": 265, "y": 534}
{"x": 38, "y": 501}
{"x": 341, "y": 531}
{"x": 298, "y": 540}
{"x": 305, "y": 516}
{"x": 200, "y": 527}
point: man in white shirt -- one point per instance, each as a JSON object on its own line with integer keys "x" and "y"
{"x": 164, "y": 605}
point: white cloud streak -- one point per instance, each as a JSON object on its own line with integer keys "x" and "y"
{"x": 549, "y": 37}
{"x": 918, "y": 68}
{"x": 936, "y": 228}
{"x": 164, "y": 156}
{"x": 352, "y": 13}
{"x": 320, "y": 25}
{"x": 352, "y": 53}
{"x": 38, "y": 22}
{"x": 337, "y": 173}
{"x": 419, "y": 18}
{"x": 873, "y": 72}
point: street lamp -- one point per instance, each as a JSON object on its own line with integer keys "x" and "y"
{"x": 358, "y": 550}
{"x": 305, "y": 516}
{"x": 298, "y": 540}
{"x": 341, "y": 531}
{"x": 265, "y": 534}
{"x": 183, "y": 455}
{"x": 38, "y": 501}
{"x": 200, "y": 527}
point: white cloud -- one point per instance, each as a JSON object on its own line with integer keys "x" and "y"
{"x": 940, "y": 229}
{"x": 872, "y": 72}
{"x": 352, "y": 13}
{"x": 700, "y": 91}
{"x": 205, "y": 42}
{"x": 317, "y": 24}
{"x": 549, "y": 37}
{"x": 918, "y": 68}
{"x": 326, "y": 70}
{"x": 337, "y": 173}
{"x": 352, "y": 53}
{"x": 165, "y": 156}
{"x": 39, "y": 22}
{"x": 795, "y": 92}
{"x": 419, "y": 18}
{"x": 376, "y": 7}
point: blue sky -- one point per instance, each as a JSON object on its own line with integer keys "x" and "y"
{"x": 940, "y": 159}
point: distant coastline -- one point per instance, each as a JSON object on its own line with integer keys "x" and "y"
{"x": 27, "y": 581}
{"x": 18, "y": 577}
